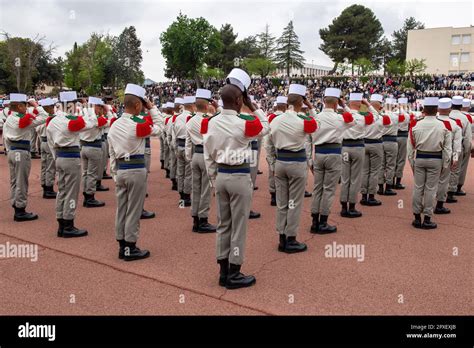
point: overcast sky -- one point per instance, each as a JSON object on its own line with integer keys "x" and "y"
{"x": 66, "y": 21}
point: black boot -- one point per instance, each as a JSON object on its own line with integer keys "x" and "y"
{"x": 428, "y": 224}
{"x": 205, "y": 227}
{"x": 398, "y": 184}
{"x": 307, "y": 194}
{"x": 187, "y": 199}
{"x": 353, "y": 213}
{"x": 70, "y": 231}
{"x": 372, "y": 202}
{"x": 21, "y": 215}
{"x": 91, "y": 202}
{"x": 364, "y": 199}
{"x": 147, "y": 214}
{"x": 380, "y": 191}
{"x": 293, "y": 246}
{"x": 324, "y": 227}
{"x": 459, "y": 191}
{"x": 440, "y": 209}
{"x": 195, "y": 223}
{"x": 60, "y": 227}
{"x": 451, "y": 198}
{"x": 315, "y": 223}
{"x": 417, "y": 222}
{"x": 167, "y": 173}
{"x": 344, "y": 212}
{"x": 237, "y": 280}
{"x": 273, "y": 200}
{"x": 106, "y": 176}
{"x": 162, "y": 164}
{"x": 389, "y": 191}
{"x": 48, "y": 192}
{"x": 174, "y": 185}
{"x": 254, "y": 215}
{"x": 224, "y": 271}
{"x": 282, "y": 243}
{"x": 121, "y": 253}
{"x": 132, "y": 253}
{"x": 259, "y": 172}
{"x": 99, "y": 187}
{"x": 34, "y": 155}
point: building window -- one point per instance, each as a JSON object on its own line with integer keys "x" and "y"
{"x": 464, "y": 57}
{"x": 466, "y": 39}
{"x": 454, "y": 59}
{"x": 455, "y": 39}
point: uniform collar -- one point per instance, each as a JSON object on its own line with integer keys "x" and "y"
{"x": 229, "y": 112}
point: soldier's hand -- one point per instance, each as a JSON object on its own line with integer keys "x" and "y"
{"x": 308, "y": 103}
{"x": 365, "y": 102}
{"x": 148, "y": 103}
{"x": 341, "y": 102}
{"x": 249, "y": 104}
{"x": 214, "y": 104}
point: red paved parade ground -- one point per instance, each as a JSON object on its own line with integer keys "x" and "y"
{"x": 401, "y": 264}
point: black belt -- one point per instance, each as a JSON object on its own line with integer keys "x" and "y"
{"x": 147, "y": 142}
{"x": 132, "y": 162}
{"x": 328, "y": 148}
{"x": 353, "y": 142}
{"x": 373, "y": 141}
{"x": 44, "y": 139}
{"x": 19, "y": 145}
{"x": 96, "y": 143}
{"x": 198, "y": 149}
{"x": 429, "y": 154}
{"x": 291, "y": 156}
{"x": 68, "y": 152}
{"x": 181, "y": 142}
{"x": 239, "y": 168}
{"x": 402, "y": 134}
{"x": 254, "y": 145}
{"x": 389, "y": 138}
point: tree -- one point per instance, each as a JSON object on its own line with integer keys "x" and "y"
{"x": 355, "y": 33}
{"x": 266, "y": 43}
{"x": 185, "y": 44}
{"x": 259, "y": 66}
{"x": 20, "y": 61}
{"x": 400, "y": 37}
{"x": 395, "y": 67}
{"x": 247, "y": 48}
{"x": 415, "y": 66}
{"x": 288, "y": 54}
{"x": 364, "y": 66}
{"x": 229, "y": 48}
{"x": 129, "y": 57}
{"x": 72, "y": 67}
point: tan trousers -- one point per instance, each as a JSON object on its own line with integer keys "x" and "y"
{"x": 201, "y": 192}
{"x": 401, "y": 156}
{"x": 130, "y": 188}
{"x": 48, "y": 165}
{"x": 183, "y": 171}
{"x": 234, "y": 195}
{"x": 327, "y": 171}
{"x": 389, "y": 162}
{"x": 19, "y": 162}
{"x": 69, "y": 182}
{"x": 351, "y": 178}
{"x": 427, "y": 173}
{"x": 92, "y": 161}
{"x": 372, "y": 167}
{"x": 290, "y": 181}
{"x": 443, "y": 184}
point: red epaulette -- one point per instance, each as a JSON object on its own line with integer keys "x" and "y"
{"x": 348, "y": 118}
{"x": 174, "y": 118}
{"x": 101, "y": 121}
{"x": 48, "y": 119}
{"x": 148, "y": 119}
{"x": 386, "y": 120}
{"x": 401, "y": 118}
{"x": 188, "y": 118}
{"x": 447, "y": 124}
{"x": 167, "y": 120}
{"x": 35, "y": 111}
{"x": 204, "y": 125}
{"x": 112, "y": 120}
{"x": 413, "y": 123}
{"x": 369, "y": 119}
{"x": 271, "y": 117}
{"x": 26, "y": 120}
{"x": 469, "y": 117}
{"x": 75, "y": 125}
{"x": 310, "y": 126}
{"x": 458, "y": 122}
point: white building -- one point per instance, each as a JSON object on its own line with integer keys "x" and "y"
{"x": 307, "y": 70}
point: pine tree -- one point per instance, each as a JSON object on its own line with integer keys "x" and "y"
{"x": 288, "y": 54}
{"x": 266, "y": 44}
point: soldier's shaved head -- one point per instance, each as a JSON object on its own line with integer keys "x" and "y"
{"x": 133, "y": 104}
{"x": 231, "y": 97}
{"x": 331, "y": 102}
{"x": 201, "y": 104}
{"x": 296, "y": 101}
